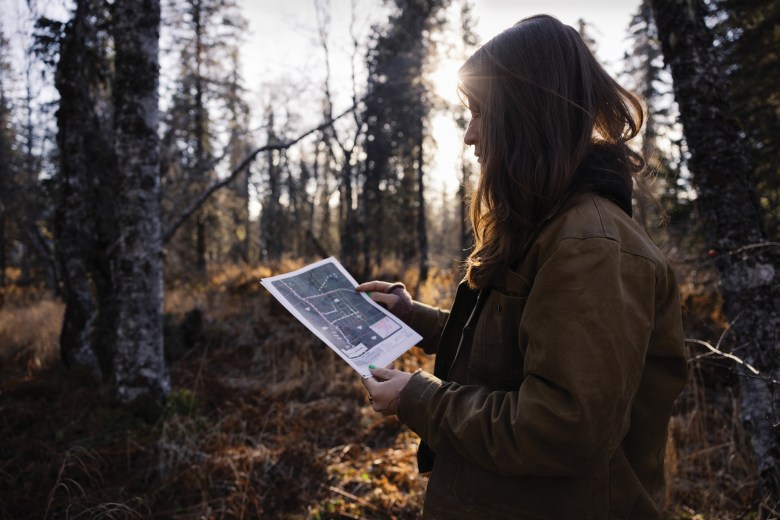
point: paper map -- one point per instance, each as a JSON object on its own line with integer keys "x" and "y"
{"x": 322, "y": 296}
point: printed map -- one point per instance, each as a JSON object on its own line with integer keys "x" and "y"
{"x": 323, "y": 297}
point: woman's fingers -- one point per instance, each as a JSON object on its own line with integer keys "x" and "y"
{"x": 384, "y": 389}
{"x": 378, "y": 291}
{"x": 383, "y": 374}
{"x": 378, "y": 376}
{"x": 388, "y": 300}
{"x": 376, "y": 285}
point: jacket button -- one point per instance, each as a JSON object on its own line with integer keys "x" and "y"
{"x": 498, "y": 307}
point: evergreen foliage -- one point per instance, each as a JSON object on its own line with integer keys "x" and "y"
{"x": 397, "y": 106}
{"x": 200, "y": 127}
{"x": 748, "y": 35}
{"x": 662, "y": 139}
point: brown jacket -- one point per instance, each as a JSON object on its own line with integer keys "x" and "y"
{"x": 552, "y": 399}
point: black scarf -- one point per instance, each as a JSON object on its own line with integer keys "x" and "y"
{"x": 602, "y": 173}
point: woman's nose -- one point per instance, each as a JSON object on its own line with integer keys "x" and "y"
{"x": 471, "y": 137}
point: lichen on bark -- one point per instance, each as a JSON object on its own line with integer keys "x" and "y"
{"x": 140, "y": 371}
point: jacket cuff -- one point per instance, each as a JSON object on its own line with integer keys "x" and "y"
{"x": 414, "y": 400}
{"x": 428, "y": 322}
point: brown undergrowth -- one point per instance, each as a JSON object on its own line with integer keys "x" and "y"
{"x": 266, "y": 422}
{"x": 711, "y": 470}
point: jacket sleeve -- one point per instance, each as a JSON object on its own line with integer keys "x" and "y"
{"x": 587, "y": 324}
{"x": 428, "y": 322}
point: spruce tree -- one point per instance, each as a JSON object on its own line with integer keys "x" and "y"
{"x": 397, "y": 107}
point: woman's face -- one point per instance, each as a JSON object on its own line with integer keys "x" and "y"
{"x": 471, "y": 137}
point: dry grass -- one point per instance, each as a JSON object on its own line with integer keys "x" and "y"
{"x": 711, "y": 471}
{"x": 30, "y": 323}
{"x": 266, "y": 422}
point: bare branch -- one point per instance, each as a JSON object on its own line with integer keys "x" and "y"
{"x": 754, "y": 246}
{"x": 714, "y": 253}
{"x": 238, "y": 169}
{"x": 717, "y": 351}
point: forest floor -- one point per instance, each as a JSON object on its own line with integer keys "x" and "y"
{"x": 264, "y": 421}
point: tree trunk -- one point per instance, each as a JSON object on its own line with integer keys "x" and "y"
{"x": 324, "y": 222}
{"x": 45, "y": 251}
{"x": 247, "y": 221}
{"x": 373, "y": 218}
{"x": 271, "y": 221}
{"x": 139, "y": 363}
{"x": 200, "y": 242}
{"x": 7, "y": 187}
{"x": 349, "y": 253}
{"x": 422, "y": 233}
{"x": 80, "y": 142}
{"x": 24, "y": 262}
{"x": 271, "y": 211}
{"x": 749, "y": 274}
{"x": 2, "y": 249}
{"x": 32, "y": 210}
{"x": 200, "y": 137}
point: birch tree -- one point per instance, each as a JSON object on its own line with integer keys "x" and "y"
{"x": 749, "y": 266}
{"x": 137, "y": 264}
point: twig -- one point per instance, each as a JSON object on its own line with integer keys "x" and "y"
{"x": 238, "y": 169}
{"x": 699, "y": 259}
{"x": 708, "y": 449}
{"x": 246, "y": 488}
{"x": 727, "y": 329}
{"x": 754, "y": 246}
{"x": 715, "y": 350}
{"x": 353, "y": 497}
{"x": 767, "y": 507}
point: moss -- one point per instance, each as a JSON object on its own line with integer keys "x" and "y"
{"x": 181, "y": 402}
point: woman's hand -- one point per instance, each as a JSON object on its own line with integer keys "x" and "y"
{"x": 393, "y": 296}
{"x": 384, "y": 388}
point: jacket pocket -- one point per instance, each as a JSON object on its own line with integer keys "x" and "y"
{"x": 497, "y": 354}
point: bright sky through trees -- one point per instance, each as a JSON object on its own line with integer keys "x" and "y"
{"x": 281, "y": 52}
{"x": 282, "y": 43}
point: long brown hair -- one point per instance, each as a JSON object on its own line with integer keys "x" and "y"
{"x": 544, "y": 105}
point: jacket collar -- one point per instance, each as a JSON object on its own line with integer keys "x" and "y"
{"x": 601, "y": 173}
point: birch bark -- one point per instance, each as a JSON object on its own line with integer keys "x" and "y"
{"x": 139, "y": 363}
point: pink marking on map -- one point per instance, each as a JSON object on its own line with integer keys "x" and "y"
{"x": 385, "y": 327}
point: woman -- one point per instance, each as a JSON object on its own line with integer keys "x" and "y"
{"x": 557, "y": 366}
